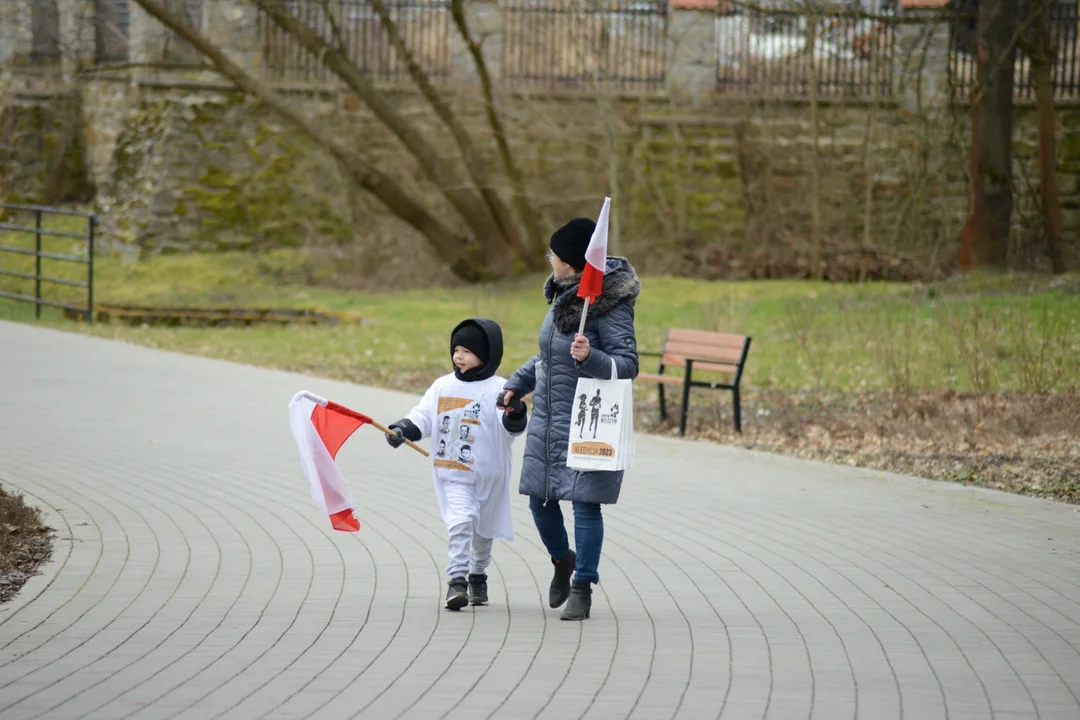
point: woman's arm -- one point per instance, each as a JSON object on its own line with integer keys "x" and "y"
{"x": 523, "y": 381}
{"x": 617, "y": 341}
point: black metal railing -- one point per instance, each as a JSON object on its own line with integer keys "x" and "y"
{"x": 28, "y": 241}
{"x": 766, "y": 53}
{"x": 355, "y": 26}
{"x": 574, "y": 43}
{"x": 1061, "y": 18}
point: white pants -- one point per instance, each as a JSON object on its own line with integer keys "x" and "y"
{"x": 469, "y": 552}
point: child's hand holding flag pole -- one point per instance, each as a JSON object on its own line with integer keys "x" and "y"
{"x": 320, "y": 428}
{"x": 592, "y": 277}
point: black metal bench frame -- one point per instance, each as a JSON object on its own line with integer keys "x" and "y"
{"x": 688, "y": 383}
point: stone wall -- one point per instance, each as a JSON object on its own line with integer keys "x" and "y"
{"x": 717, "y": 191}
{"x": 702, "y": 184}
{"x": 43, "y": 147}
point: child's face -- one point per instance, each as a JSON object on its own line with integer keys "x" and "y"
{"x": 465, "y": 360}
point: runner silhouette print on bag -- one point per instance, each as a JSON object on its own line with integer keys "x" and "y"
{"x": 594, "y": 406}
{"x": 581, "y": 414}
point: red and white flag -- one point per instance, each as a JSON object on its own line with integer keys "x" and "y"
{"x": 592, "y": 277}
{"x": 321, "y": 427}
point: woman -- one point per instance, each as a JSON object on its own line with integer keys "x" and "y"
{"x": 552, "y": 376}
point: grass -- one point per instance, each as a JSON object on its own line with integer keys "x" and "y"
{"x": 976, "y": 380}
{"x": 983, "y": 334}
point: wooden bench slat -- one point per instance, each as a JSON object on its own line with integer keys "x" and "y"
{"x": 710, "y": 352}
{"x": 676, "y": 364}
{"x": 702, "y": 337}
{"x": 704, "y": 352}
{"x": 663, "y": 379}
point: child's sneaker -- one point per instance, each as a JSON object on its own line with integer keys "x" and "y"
{"x": 478, "y": 590}
{"x": 457, "y": 594}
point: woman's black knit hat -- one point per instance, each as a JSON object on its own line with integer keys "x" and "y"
{"x": 570, "y": 242}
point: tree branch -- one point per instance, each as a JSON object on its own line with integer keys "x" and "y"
{"x": 461, "y": 197}
{"x": 449, "y": 245}
{"x": 521, "y": 199}
{"x": 532, "y": 258}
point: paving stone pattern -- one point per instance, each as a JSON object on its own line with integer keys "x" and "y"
{"x": 193, "y": 577}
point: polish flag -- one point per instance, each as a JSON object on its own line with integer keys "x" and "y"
{"x": 320, "y": 428}
{"x": 592, "y": 278}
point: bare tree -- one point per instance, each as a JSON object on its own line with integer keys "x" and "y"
{"x": 176, "y": 50}
{"x": 521, "y": 199}
{"x": 477, "y": 171}
{"x": 985, "y": 237}
{"x": 110, "y": 45}
{"x": 494, "y": 239}
{"x": 815, "y": 134}
{"x": 1039, "y": 46}
{"x": 450, "y": 245}
{"x": 45, "y": 28}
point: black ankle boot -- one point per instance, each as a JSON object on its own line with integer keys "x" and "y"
{"x": 560, "y": 584}
{"x": 457, "y": 593}
{"x": 478, "y": 590}
{"x": 580, "y": 601}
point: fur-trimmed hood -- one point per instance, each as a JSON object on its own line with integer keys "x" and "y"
{"x": 620, "y": 283}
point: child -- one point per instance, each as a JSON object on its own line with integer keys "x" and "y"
{"x": 472, "y": 464}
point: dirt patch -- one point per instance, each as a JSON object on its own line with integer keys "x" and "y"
{"x": 25, "y": 543}
{"x": 1022, "y": 443}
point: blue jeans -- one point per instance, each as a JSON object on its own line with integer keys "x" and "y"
{"x": 588, "y": 534}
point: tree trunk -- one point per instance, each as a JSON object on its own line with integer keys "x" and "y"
{"x": 532, "y": 257}
{"x": 985, "y": 237}
{"x": 521, "y": 199}
{"x": 45, "y": 29}
{"x": 110, "y": 45}
{"x": 177, "y": 51}
{"x": 457, "y": 191}
{"x": 815, "y": 170}
{"x": 1041, "y": 54}
{"x": 449, "y": 245}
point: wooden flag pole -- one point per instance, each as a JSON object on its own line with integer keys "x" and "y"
{"x": 410, "y": 443}
{"x": 584, "y": 315}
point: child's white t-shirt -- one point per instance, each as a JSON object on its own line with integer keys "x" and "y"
{"x": 469, "y": 445}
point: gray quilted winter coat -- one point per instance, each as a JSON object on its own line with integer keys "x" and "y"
{"x": 552, "y": 376}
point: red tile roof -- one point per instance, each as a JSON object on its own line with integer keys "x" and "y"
{"x": 712, "y": 4}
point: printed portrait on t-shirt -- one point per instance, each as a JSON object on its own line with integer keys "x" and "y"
{"x": 465, "y": 454}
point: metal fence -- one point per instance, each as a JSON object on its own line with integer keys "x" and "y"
{"x": 766, "y": 52}
{"x": 574, "y": 43}
{"x": 26, "y": 244}
{"x": 423, "y": 24}
{"x": 1062, "y": 19}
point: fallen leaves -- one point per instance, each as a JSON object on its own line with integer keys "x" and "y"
{"x": 25, "y": 543}
{"x": 1015, "y": 442}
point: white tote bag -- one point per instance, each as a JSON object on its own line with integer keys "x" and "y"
{"x": 602, "y": 424}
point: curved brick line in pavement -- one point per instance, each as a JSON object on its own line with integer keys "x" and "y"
{"x": 98, "y": 630}
{"x": 193, "y": 577}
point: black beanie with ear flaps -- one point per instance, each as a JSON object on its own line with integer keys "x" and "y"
{"x": 473, "y": 338}
{"x": 483, "y": 337}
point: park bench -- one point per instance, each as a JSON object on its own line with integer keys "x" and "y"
{"x": 706, "y": 352}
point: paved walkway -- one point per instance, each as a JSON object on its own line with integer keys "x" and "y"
{"x": 193, "y": 577}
